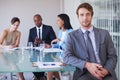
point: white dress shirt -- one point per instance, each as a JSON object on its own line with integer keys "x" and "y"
{"x": 92, "y": 37}
{"x": 40, "y": 31}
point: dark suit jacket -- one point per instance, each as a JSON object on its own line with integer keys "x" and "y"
{"x": 48, "y": 34}
{"x": 76, "y": 53}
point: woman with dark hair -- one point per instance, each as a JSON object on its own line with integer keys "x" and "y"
{"x": 63, "y": 23}
{"x": 10, "y": 38}
{"x": 65, "y": 27}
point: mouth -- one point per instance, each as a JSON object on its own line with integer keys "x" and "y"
{"x": 85, "y": 22}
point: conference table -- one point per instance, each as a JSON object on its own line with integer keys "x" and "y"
{"x": 26, "y": 59}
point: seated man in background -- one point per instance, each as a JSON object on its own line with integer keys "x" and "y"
{"x": 40, "y": 33}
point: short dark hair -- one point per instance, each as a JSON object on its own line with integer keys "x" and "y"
{"x": 38, "y": 15}
{"x": 15, "y": 19}
{"x": 66, "y": 20}
{"x": 86, "y": 6}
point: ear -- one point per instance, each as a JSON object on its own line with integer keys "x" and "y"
{"x": 41, "y": 19}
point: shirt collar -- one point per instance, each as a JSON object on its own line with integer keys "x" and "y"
{"x": 39, "y": 27}
{"x": 90, "y": 29}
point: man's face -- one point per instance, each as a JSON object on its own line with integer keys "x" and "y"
{"x": 85, "y": 17}
{"x": 37, "y": 21}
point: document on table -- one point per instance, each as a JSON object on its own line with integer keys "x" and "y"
{"x": 10, "y": 49}
{"x": 46, "y": 50}
{"x": 52, "y": 50}
{"x": 48, "y": 65}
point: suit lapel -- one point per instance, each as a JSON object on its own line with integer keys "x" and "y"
{"x": 97, "y": 40}
{"x": 35, "y": 32}
{"x": 43, "y": 32}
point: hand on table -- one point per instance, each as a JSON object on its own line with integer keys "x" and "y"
{"x": 55, "y": 40}
{"x": 47, "y": 46}
{"x": 37, "y": 41}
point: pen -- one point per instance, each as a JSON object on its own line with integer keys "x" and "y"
{"x": 48, "y": 64}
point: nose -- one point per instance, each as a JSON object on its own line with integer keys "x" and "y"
{"x": 15, "y": 26}
{"x": 85, "y": 17}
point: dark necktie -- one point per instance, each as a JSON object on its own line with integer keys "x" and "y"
{"x": 89, "y": 47}
{"x": 39, "y": 34}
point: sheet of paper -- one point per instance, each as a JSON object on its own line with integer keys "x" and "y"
{"x": 48, "y": 65}
{"x": 46, "y": 50}
{"x": 10, "y": 48}
{"x": 52, "y": 50}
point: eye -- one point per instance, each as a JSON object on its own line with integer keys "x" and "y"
{"x": 81, "y": 14}
{"x": 17, "y": 25}
{"x": 13, "y": 24}
{"x": 88, "y": 14}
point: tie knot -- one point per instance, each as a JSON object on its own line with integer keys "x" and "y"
{"x": 87, "y": 32}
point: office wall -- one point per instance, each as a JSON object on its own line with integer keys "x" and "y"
{"x": 70, "y": 7}
{"x": 25, "y": 9}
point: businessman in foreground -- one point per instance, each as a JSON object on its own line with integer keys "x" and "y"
{"x": 90, "y": 49}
